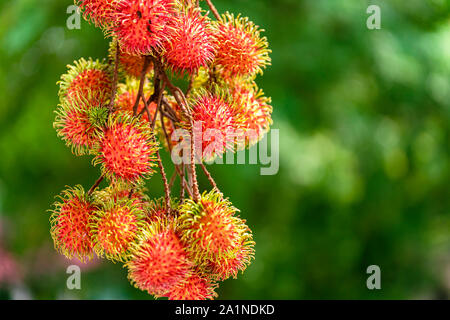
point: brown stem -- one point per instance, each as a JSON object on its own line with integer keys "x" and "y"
{"x": 114, "y": 85}
{"x": 196, "y": 191}
{"x": 209, "y": 176}
{"x": 158, "y": 108}
{"x": 164, "y": 177}
{"x": 161, "y": 168}
{"x": 169, "y": 145}
{"x": 141, "y": 85}
{"x": 183, "y": 183}
{"x": 96, "y": 184}
{"x": 214, "y": 10}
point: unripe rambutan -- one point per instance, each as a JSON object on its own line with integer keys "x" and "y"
{"x": 216, "y": 114}
{"x": 209, "y": 229}
{"x": 194, "y": 287}
{"x": 114, "y": 226}
{"x": 130, "y": 64}
{"x": 70, "y": 224}
{"x": 159, "y": 259}
{"x": 126, "y": 149}
{"x": 86, "y": 81}
{"x": 190, "y": 42}
{"x": 253, "y": 111}
{"x": 240, "y": 48}
{"x": 97, "y": 11}
{"x": 140, "y": 25}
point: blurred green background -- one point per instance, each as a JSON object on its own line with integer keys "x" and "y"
{"x": 364, "y": 153}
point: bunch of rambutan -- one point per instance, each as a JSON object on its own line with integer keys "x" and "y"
{"x": 121, "y": 110}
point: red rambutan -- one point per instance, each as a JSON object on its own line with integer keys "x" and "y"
{"x": 140, "y": 25}
{"x": 190, "y": 42}
{"x": 253, "y": 111}
{"x": 238, "y": 260}
{"x": 97, "y": 11}
{"x": 216, "y": 114}
{"x": 240, "y": 48}
{"x": 114, "y": 226}
{"x": 78, "y": 126}
{"x": 126, "y": 149}
{"x": 70, "y": 224}
{"x": 159, "y": 260}
{"x": 87, "y": 82}
{"x": 194, "y": 287}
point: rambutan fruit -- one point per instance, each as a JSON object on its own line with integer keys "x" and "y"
{"x": 129, "y": 64}
{"x": 190, "y": 43}
{"x": 69, "y": 221}
{"x": 88, "y": 82}
{"x": 79, "y": 125}
{"x": 216, "y": 114}
{"x": 97, "y": 11}
{"x": 254, "y": 112}
{"x": 126, "y": 150}
{"x": 209, "y": 229}
{"x": 119, "y": 190}
{"x": 240, "y": 48}
{"x": 238, "y": 260}
{"x": 114, "y": 226}
{"x": 159, "y": 260}
{"x": 193, "y": 287}
{"x": 140, "y": 25}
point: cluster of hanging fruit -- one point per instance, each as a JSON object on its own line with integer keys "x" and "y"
{"x": 124, "y": 109}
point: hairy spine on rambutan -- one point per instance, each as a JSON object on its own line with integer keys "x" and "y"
{"x": 86, "y": 79}
{"x": 238, "y": 260}
{"x": 97, "y": 11}
{"x": 141, "y": 25}
{"x": 159, "y": 260}
{"x": 194, "y": 287}
{"x": 190, "y": 43}
{"x": 119, "y": 190}
{"x": 214, "y": 114}
{"x": 70, "y": 224}
{"x": 241, "y": 50}
{"x": 127, "y": 149}
{"x": 209, "y": 228}
{"x": 114, "y": 226}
